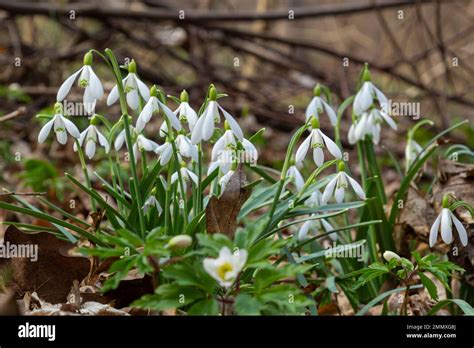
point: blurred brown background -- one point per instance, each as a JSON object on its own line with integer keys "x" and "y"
{"x": 267, "y": 54}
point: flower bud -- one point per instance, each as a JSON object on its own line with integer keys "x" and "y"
{"x": 445, "y": 202}
{"x": 184, "y": 97}
{"x": 389, "y": 255}
{"x": 213, "y": 93}
{"x": 317, "y": 90}
{"x": 132, "y": 67}
{"x": 88, "y": 58}
{"x": 366, "y": 74}
{"x": 180, "y": 241}
{"x": 341, "y": 167}
{"x": 314, "y": 122}
{"x": 153, "y": 91}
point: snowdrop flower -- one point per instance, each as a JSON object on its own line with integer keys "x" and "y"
{"x": 133, "y": 88}
{"x": 91, "y": 135}
{"x": 152, "y": 202}
{"x": 186, "y": 174}
{"x": 88, "y": 80}
{"x": 154, "y": 104}
{"x": 317, "y": 105}
{"x": 60, "y": 125}
{"x": 317, "y": 140}
{"x": 185, "y": 111}
{"x": 389, "y": 255}
{"x": 339, "y": 184}
{"x": 184, "y": 147}
{"x": 204, "y": 127}
{"x": 315, "y": 199}
{"x": 313, "y": 224}
{"x": 250, "y": 153}
{"x": 225, "y": 179}
{"x": 364, "y": 99}
{"x": 444, "y": 221}
{"x": 226, "y": 267}
{"x": 295, "y": 176}
{"x": 369, "y": 124}
{"x": 223, "y": 151}
{"x": 412, "y": 150}
{"x": 142, "y": 143}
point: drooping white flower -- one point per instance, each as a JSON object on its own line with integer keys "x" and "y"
{"x": 152, "y": 202}
{"x": 133, "y": 88}
{"x": 314, "y": 225}
{"x": 318, "y": 105}
{"x": 88, "y": 80}
{"x": 412, "y": 150}
{"x": 204, "y": 127}
{"x": 315, "y": 199}
{"x": 60, "y": 125}
{"x": 444, "y": 222}
{"x": 153, "y": 105}
{"x": 186, "y": 175}
{"x": 251, "y": 153}
{"x": 338, "y": 186}
{"x": 369, "y": 123}
{"x": 366, "y": 96}
{"x": 184, "y": 147}
{"x": 317, "y": 140}
{"x": 185, "y": 112}
{"x": 142, "y": 143}
{"x": 91, "y": 135}
{"x": 227, "y": 266}
{"x": 295, "y": 176}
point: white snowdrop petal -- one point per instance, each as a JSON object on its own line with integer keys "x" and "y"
{"x": 103, "y": 142}
{"x": 434, "y": 231}
{"x": 234, "y": 126}
{"x": 143, "y": 89}
{"x": 208, "y": 122}
{"x": 461, "y": 229}
{"x": 318, "y": 156}
{"x": 95, "y": 85}
{"x": 303, "y": 232}
{"x": 446, "y": 226}
{"x": 66, "y": 86}
{"x": 356, "y": 187}
{"x": 331, "y": 113}
{"x": 339, "y": 194}
{"x": 119, "y": 140}
{"x": 71, "y": 127}
{"x": 171, "y": 116}
{"x": 44, "y": 132}
{"x": 61, "y": 136}
{"x": 90, "y": 149}
{"x": 196, "y": 135}
{"x": 363, "y": 99}
{"x": 113, "y": 96}
{"x": 311, "y": 108}
{"x": 329, "y": 190}
{"x": 331, "y": 146}
{"x": 132, "y": 99}
{"x": 303, "y": 149}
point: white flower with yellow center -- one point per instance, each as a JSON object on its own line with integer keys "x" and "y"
{"x": 227, "y": 266}
{"x": 317, "y": 140}
{"x": 444, "y": 222}
{"x": 88, "y": 80}
{"x": 205, "y": 125}
{"x": 133, "y": 88}
{"x": 60, "y": 125}
{"x": 339, "y": 184}
{"x": 91, "y": 135}
{"x": 317, "y": 106}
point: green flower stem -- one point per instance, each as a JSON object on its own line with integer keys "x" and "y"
{"x": 375, "y": 169}
{"x": 86, "y": 174}
{"x": 199, "y": 191}
{"x": 284, "y": 171}
{"x": 113, "y": 175}
{"x": 128, "y": 138}
{"x": 167, "y": 211}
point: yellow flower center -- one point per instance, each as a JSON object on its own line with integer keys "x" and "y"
{"x": 224, "y": 269}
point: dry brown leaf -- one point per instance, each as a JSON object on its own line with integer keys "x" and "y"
{"x": 52, "y": 275}
{"x": 221, "y": 213}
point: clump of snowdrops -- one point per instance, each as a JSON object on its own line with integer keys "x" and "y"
{"x": 181, "y": 208}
